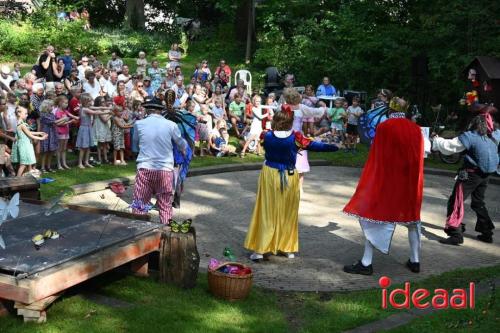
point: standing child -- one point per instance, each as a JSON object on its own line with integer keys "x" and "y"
{"x": 336, "y": 116}
{"x": 310, "y": 100}
{"x": 141, "y": 62}
{"x": 204, "y": 128}
{"x": 255, "y": 127}
{"x": 48, "y": 125}
{"x": 63, "y": 119}
{"x": 118, "y": 133}
{"x": 85, "y": 139}
{"x": 23, "y": 151}
{"x": 102, "y": 131}
{"x": 16, "y": 73}
{"x": 353, "y": 113}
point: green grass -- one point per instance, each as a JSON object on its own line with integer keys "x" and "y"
{"x": 159, "y": 307}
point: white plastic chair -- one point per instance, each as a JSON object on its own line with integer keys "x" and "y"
{"x": 246, "y": 76}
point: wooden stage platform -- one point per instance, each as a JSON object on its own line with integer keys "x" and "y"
{"x": 89, "y": 244}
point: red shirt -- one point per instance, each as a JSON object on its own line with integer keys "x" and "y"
{"x": 74, "y": 109}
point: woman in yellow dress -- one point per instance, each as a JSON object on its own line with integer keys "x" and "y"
{"x": 274, "y": 226}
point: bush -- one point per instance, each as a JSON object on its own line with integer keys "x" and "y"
{"x": 24, "y": 40}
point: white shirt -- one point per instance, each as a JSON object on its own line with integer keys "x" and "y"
{"x": 129, "y": 85}
{"x": 6, "y": 80}
{"x": 81, "y": 71}
{"x": 110, "y": 88}
{"x": 94, "y": 91}
{"x": 154, "y": 136}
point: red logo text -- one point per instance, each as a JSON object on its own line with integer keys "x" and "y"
{"x": 422, "y": 298}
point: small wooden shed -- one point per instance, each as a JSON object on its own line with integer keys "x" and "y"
{"x": 488, "y": 74}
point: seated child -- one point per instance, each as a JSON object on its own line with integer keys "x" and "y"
{"x": 219, "y": 141}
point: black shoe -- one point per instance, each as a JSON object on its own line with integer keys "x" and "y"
{"x": 463, "y": 227}
{"x": 358, "y": 268}
{"x": 485, "y": 238}
{"x": 413, "y": 266}
{"x": 451, "y": 241}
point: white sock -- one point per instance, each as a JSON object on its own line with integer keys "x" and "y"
{"x": 414, "y": 238}
{"x": 368, "y": 255}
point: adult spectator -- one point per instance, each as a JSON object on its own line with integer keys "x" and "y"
{"x": 147, "y": 86}
{"x": 138, "y": 94}
{"x": 94, "y": 62}
{"x": 111, "y": 84}
{"x": 178, "y": 88}
{"x": 126, "y": 78}
{"x": 72, "y": 80}
{"x": 169, "y": 78}
{"x": 234, "y": 90}
{"x": 178, "y": 71}
{"x": 155, "y": 137}
{"x": 5, "y": 78}
{"x": 59, "y": 70}
{"x": 174, "y": 55}
{"x": 156, "y": 75}
{"x": 84, "y": 67}
{"x": 47, "y": 63}
{"x": 91, "y": 86}
{"x": 203, "y": 74}
{"x": 59, "y": 89}
{"x": 326, "y": 89}
{"x": 115, "y": 63}
{"x": 223, "y": 68}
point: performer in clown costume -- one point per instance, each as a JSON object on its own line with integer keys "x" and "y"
{"x": 390, "y": 189}
{"x": 274, "y": 225}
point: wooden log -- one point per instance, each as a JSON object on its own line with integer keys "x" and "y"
{"x": 179, "y": 258}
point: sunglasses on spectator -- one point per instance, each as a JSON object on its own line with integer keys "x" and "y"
{"x": 140, "y": 86}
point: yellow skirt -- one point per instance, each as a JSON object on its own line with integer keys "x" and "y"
{"x": 275, "y": 220}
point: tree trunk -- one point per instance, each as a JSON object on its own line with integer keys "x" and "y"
{"x": 134, "y": 15}
{"x": 250, "y": 27}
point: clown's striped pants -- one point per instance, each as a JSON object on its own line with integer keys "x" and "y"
{"x": 155, "y": 182}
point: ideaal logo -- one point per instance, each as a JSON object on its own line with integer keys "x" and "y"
{"x": 422, "y": 298}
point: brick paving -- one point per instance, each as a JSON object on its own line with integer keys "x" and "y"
{"x": 221, "y": 206}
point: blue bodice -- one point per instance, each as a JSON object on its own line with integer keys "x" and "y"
{"x": 281, "y": 153}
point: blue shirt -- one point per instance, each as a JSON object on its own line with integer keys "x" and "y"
{"x": 67, "y": 62}
{"x": 155, "y": 136}
{"x": 328, "y": 90}
{"x": 482, "y": 151}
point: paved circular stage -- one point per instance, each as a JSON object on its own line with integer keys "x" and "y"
{"x": 221, "y": 206}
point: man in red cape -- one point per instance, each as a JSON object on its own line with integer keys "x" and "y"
{"x": 390, "y": 188}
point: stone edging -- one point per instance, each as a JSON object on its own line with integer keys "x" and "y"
{"x": 130, "y": 180}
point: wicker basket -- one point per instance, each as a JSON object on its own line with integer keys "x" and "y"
{"x": 228, "y": 286}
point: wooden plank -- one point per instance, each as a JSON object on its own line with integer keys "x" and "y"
{"x": 62, "y": 277}
{"x": 14, "y": 290}
{"x": 94, "y": 210}
{"x": 42, "y": 318}
{"x": 4, "y": 312}
{"x": 140, "y": 266}
{"x": 38, "y": 305}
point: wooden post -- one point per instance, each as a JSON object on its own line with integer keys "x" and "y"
{"x": 179, "y": 258}
{"x": 4, "y": 311}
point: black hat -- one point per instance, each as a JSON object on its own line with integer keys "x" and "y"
{"x": 152, "y": 105}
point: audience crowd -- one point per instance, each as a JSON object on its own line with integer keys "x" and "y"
{"x": 81, "y": 104}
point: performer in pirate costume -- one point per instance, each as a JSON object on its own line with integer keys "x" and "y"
{"x": 274, "y": 225}
{"x": 156, "y": 137}
{"x": 481, "y": 160}
{"x": 389, "y": 192}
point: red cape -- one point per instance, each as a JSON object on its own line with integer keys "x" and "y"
{"x": 391, "y": 186}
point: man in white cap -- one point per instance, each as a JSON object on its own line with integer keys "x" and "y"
{"x": 5, "y": 77}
